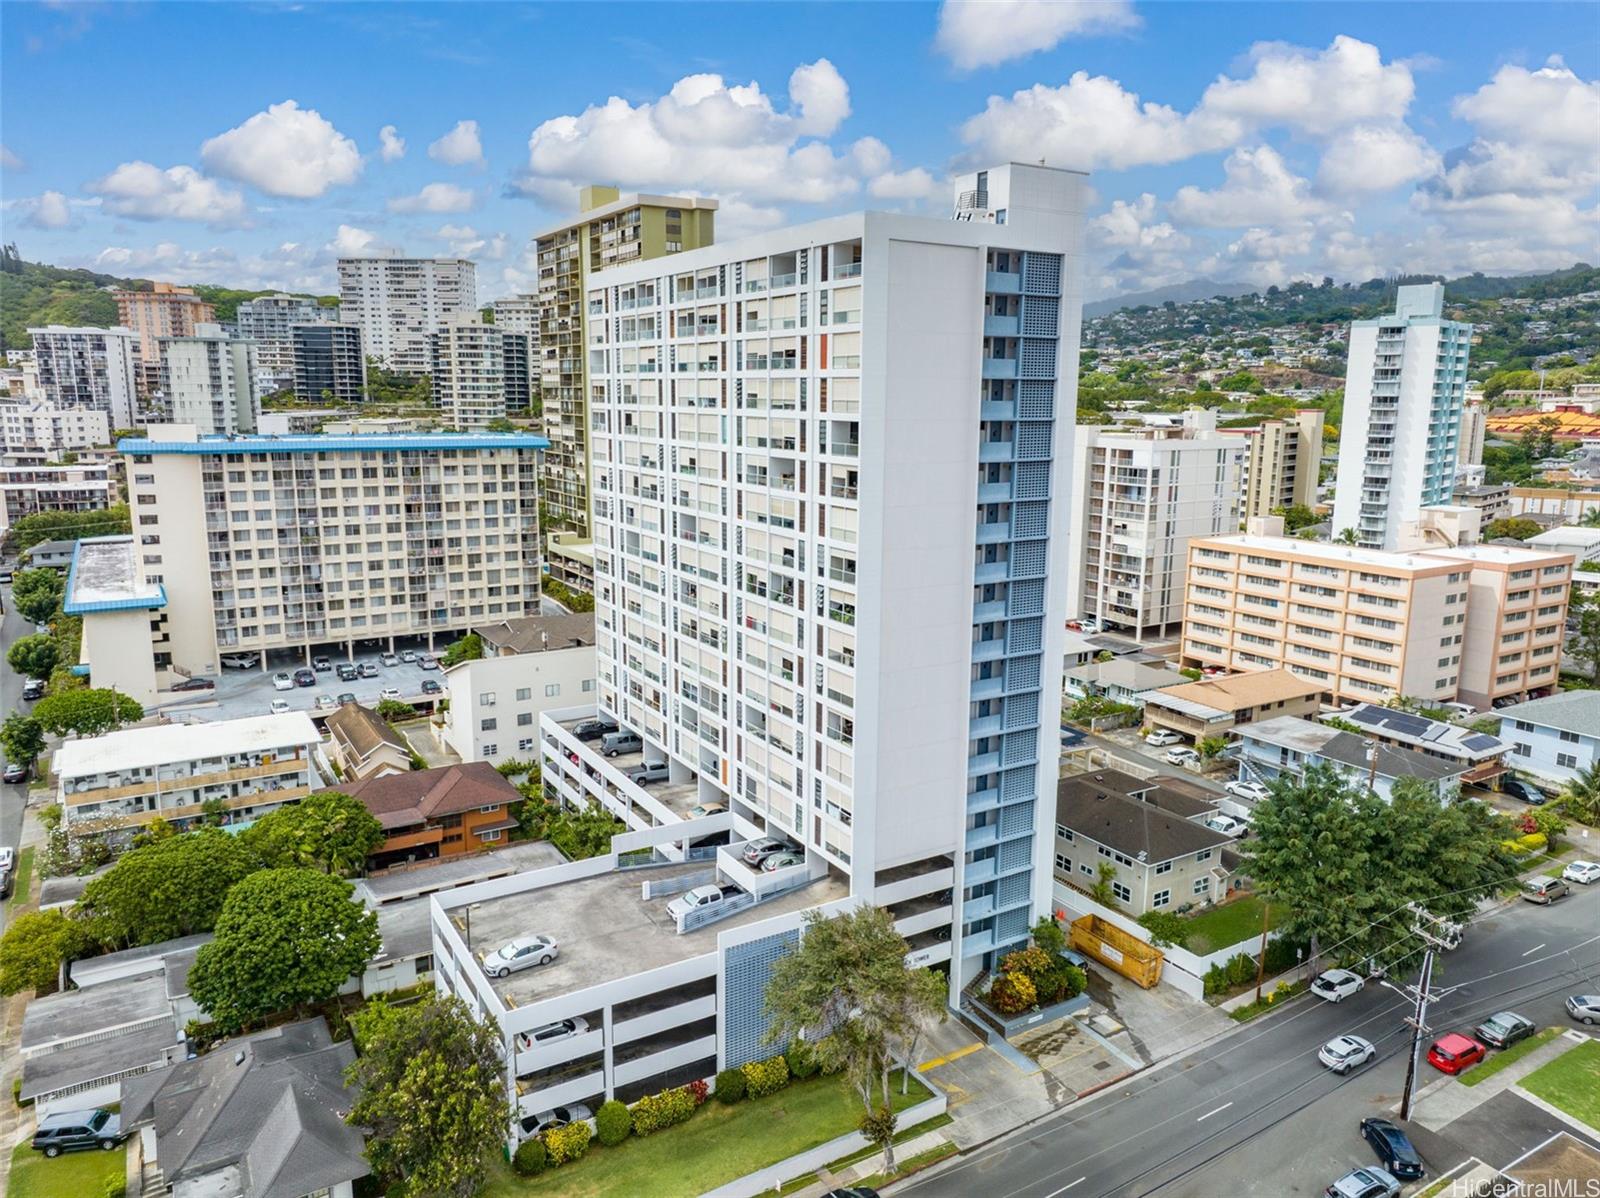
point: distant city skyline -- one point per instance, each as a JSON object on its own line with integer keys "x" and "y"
{"x": 252, "y": 145}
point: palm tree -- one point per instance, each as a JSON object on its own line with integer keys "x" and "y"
{"x": 1591, "y": 518}
{"x": 1581, "y": 799}
{"x": 1347, "y": 537}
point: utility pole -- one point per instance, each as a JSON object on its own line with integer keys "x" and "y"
{"x": 1261, "y": 960}
{"x": 1438, "y": 935}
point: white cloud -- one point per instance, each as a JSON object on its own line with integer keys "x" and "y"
{"x": 464, "y": 241}
{"x": 10, "y": 161}
{"x": 1373, "y": 158}
{"x": 737, "y": 218}
{"x": 985, "y": 33}
{"x": 1150, "y": 252}
{"x": 288, "y": 267}
{"x": 914, "y": 184}
{"x": 49, "y": 210}
{"x": 1316, "y": 92}
{"x": 821, "y": 96}
{"x": 1258, "y": 188}
{"x": 1550, "y": 106}
{"x": 459, "y": 147}
{"x": 435, "y": 197}
{"x": 285, "y": 151}
{"x": 392, "y": 147}
{"x": 353, "y": 242}
{"x": 145, "y": 192}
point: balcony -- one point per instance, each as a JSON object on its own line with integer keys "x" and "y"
{"x": 1002, "y": 326}
{"x": 1001, "y": 282}
{"x": 1000, "y": 368}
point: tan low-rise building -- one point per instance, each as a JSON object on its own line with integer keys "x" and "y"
{"x": 1215, "y": 706}
{"x": 363, "y": 745}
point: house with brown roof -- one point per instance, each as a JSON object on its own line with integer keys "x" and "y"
{"x": 1216, "y": 706}
{"x": 440, "y": 812}
{"x": 364, "y": 744}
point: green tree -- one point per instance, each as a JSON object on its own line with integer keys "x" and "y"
{"x": 1347, "y": 536}
{"x": 285, "y": 938}
{"x": 330, "y": 831}
{"x": 1517, "y": 528}
{"x": 393, "y": 709}
{"x": 34, "y": 655}
{"x": 1585, "y": 608}
{"x": 1590, "y": 518}
{"x": 847, "y": 991}
{"x": 499, "y": 425}
{"x": 37, "y": 594}
{"x": 90, "y": 712}
{"x": 432, "y": 1096}
{"x": 1581, "y": 798}
{"x": 1165, "y": 928}
{"x": 1296, "y": 516}
{"x": 32, "y": 530}
{"x": 1101, "y": 892}
{"x": 581, "y": 834}
{"x": 214, "y": 811}
{"x": 168, "y": 888}
{"x": 34, "y": 947}
{"x": 22, "y": 737}
{"x": 468, "y": 648}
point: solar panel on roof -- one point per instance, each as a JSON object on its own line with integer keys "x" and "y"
{"x": 1367, "y": 715}
{"x": 1437, "y": 732}
{"x": 1479, "y": 740}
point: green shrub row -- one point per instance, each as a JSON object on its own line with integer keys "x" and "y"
{"x": 567, "y": 1143}
{"x": 656, "y": 1111}
{"x": 765, "y": 1077}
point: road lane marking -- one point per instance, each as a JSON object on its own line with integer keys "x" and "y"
{"x": 1218, "y": 1111}
{"x": 1531, "y": 951}
{"x": 1068, "y": 1186}
{"x": 948, "y": 1057}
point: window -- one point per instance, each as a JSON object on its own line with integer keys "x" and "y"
{"x": 1164, "y": 868}
{"x": 1202, "y": 885}
{"x": 1161, "y": 898}
{"x": 1571, "y": 738}
{"x": 486, "y": 699}
{"x": 493, "y": 834}
{"x": 1124, "y": 895}
{"x": 524, "y": 718}
{"x": 1102, "y": 850}
{"x": 1203, "y": 855}
{"x": 1519, "y": 749}
{"x": 588, "y": 685}
{"x": 1084, "y": 869}
{"x": 525, "y": 745}
{"x": 552, "y": 689}
{"x": 524, "y": 693}
{"x": 1567, "y": 760}
{"x": 1064, "y": 832}
{"x": 1064, "y": 863}
{"x": 490, "y": 750}
{"x": 488, "y": 725}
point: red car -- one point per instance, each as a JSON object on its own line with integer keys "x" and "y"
{"x": 1454, "y": 1052}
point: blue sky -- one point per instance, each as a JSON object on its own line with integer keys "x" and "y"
{"x": 252, "y": 143}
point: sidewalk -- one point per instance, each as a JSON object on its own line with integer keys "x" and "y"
{"x": 1442, "y": 1102}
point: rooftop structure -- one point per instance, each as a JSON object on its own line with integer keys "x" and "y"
{"x": 1216, "y": 706}
{"x": 1289, "y": 745}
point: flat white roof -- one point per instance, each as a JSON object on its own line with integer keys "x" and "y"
{"x": 140, "y": 748}
{"x": 1567, "y": 534}
{"x": 1338, "y": 555}
{"x": 1509, "y": 555}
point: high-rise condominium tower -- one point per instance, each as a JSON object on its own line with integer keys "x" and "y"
{"x": 400, "y": 303}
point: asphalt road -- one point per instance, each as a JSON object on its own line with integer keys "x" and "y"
{"x": 1254, "y": 1114}
{"x": 12, "y": 798}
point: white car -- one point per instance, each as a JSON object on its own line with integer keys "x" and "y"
{"x": 1336, "y": 985}
{"x": 521, "y": 953}
{"x": 550, "y": 1033}
{"x": 282, "y": 682}
{"x": 697, "y": 899}
{"x": 1344, "y": 1053}
{"x": 1161, "y": 738}
{"x": 390, "y": 692}
{"x": 556, "y": 1117}
{"x": 1253, "y": 791}
{"x": 1183, "y": 756}
{"x": 325, "y": 703}
{"x": 1582, "y": 871}
{"x": 1227, "y": 825}
{"x": 1088, "y": 626}
{"x": 280, "y": 707}
{"x": 1462, "y": 711}
{"x": 239, "y": 661}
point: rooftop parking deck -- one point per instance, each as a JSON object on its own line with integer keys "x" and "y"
{"x": 606, "y": 931}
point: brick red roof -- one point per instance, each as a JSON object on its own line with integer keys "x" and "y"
{"x": 403, "y": 800}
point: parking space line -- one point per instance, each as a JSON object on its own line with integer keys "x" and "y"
{"x": 948, "y": 1057}
{"x": 1218, "y": 1111}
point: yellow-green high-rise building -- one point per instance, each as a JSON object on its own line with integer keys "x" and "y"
{"x": 610, "y": 230}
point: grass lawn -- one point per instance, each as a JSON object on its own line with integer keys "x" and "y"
{"x": 1231, "y": 923}
{"x": 1510, "y": 1056}
{"x": 720, "y": 1143}
{"x": 84, "y": 1174}
{"x": 24, "y": 879}
{"x": 1571, "y": 1082}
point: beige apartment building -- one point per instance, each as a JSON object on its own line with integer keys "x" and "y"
{"x": 163, "y": 311}
{"x": 1281, "y": 464}
{"x": 304, "y": 541}
{"x": 610, "y": 230}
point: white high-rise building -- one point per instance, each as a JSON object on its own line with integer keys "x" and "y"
{"x": 517, "y": 314}
{"x": 89, "y": 368}
{"x": 469, "y": 376}
{"x": 1140, "y": 495}
{"x": 400, "y": 303}
{"x": 831, "y": 473}
{"x": 209, "y": 381}
{"x": 44, "y": 428}
{"x": 268, "y": 322}
{"x": 1403, "y": 397}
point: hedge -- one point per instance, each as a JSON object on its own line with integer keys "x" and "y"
{"x": 656, "y": 1111}
{"x": 567, "y": 1143}
{"x": 802, "y": 1060}
{"x": 614, "y": 1123}
{"x": 731, "y": 1086}
{"x": 530, "y": 1158}
{"x": 765, "y": 1077}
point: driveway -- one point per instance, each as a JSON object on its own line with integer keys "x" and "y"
{"x": 250, "y": 692}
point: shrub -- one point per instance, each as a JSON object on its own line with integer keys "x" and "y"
{"x": 655, "y": 1111}
{"x": 1282, "y": 954}
{"x": 1077, "y": 981}
{"x": 699, "y": 1091}
{"x": 567, "y": 1143}
{"x": 1216, "y": 980}
{"x": 614, "y": 1123}
{"x": 1012, "y": 993}
{"x": 802, "y": 1060}
{"x": 730, "y": 1086}
{"x": 765, "y": 1077}
{"x": 1032, "y": 961}
{"x": 1241, "y": 969}
{"x": 530, "y": 1158}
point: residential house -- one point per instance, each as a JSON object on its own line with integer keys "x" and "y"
{"x": 364, "y": 745}
{"x": 1480, "y": 753}
{"x": 1216, "y": 706}
{"x": 1121, "y": 680}
{"x": 1555, "y": 738}
{"x": 1288, "y": 746}
{"x": 439, "y": 812}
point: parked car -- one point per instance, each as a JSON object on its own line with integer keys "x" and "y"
{"x": 699, "y": 899}
{"x": 408, "y": 655}
{"x": 1527, "y": 792}
{"x": 758, "y": 851}
{"x": 14, "y": 773}
{"x": 33, "y": 688}
{"x": 391, "y": 693}
{"x": 1183, "y": 756}
{"x": 1585, "y": 1008}
{"x": 1364, "y": 1183}
{"x": 280, "y": 707}
{"x": 1336, "y": 985}
{"x": 613, "y": 744}
{"x": 427, "y": 661}
{"x": 1462, "y": 711}
{"x": 195, "y": 684}
{"x": 346, "y": 697}
{"x": 430, "y": 686}
{"x": 367, "y": 669}
{"x": 1584, "y": 872}
{"x": 1160, "y": 738}
{"x": 699, "y": 810}
{"x": 1228, "y": 826}
{"x": 521, "y": 953}
{"x": 1545, "y": 890}
{"x": 1344, "y": 1053}
{"x": 240, "y": 661}
{"x": 550, "y": 1033}
{"x": 593, "y": 729}
{"x": 305, "y": 677}
{"x": 390, "y": 659}
{"x": 556, "y": 1117}
{"x": 66, "y": 1131}
{"x": 1453, "y": 1052}
{"x": 1503, "y": 1029}
{"x": 650, "y": 771}
{"x": 1397, "y": 1154}
{"x": 782, "y": 861}
{"x": 321, "y": 664}
{"x": 5, "y": 883}
{"x": 1255, "y": 792}
{"x": 8, "y": 857}
{"x": 325, "y": 703}
{"x": 852, "y": 1192}
{"x": 1088, "y": 626}
{"x": 347, "y": 671}
{"x": 282, "y": 682}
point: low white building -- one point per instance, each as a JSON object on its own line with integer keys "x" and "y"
{"x": 129, "y": 778}
{"x": 1555, "y": 738}
{"x": 28, "y": 489}
{"x": 530, "y": 665}
{"x": 1582, "y": 543}
{"x": 47, "y": 428}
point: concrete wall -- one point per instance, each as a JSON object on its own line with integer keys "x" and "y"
{"x": 504, "y": 680}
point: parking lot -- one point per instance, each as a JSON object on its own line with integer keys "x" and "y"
{"x": 679, "y": 797}
{"x": 251, "y": 692}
